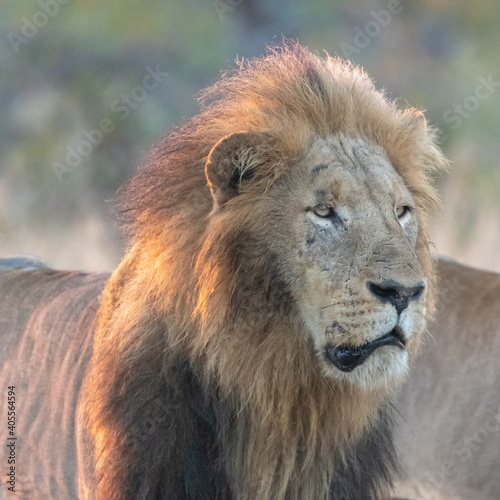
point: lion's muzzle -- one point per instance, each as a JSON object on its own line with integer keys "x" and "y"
{"x": 346, "y": 357}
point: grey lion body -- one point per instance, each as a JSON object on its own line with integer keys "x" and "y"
{"x": 46, "y": 331}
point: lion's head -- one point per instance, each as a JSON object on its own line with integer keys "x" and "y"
{"x": 279, "y": 250}
{"x": 332, "y": 240}
{"x": 320, "y": 196}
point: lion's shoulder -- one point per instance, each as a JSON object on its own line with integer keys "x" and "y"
{"x": 30, "y": 293}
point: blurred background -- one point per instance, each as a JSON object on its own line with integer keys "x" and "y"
{"x": 86, "y": 87}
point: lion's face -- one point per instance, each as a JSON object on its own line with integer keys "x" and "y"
{"x": 341, "y": 227}
{"x": 348, "y": 230}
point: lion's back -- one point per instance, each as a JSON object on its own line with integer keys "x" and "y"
{"x": 450, "y": 436}
{"x": 46, "y": 333}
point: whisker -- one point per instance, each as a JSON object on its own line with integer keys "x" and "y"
{"x": 344, "y": 340}
{"x": 330, "y": 305}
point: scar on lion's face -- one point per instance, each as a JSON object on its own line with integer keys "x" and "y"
{"x": 352, "y": 231}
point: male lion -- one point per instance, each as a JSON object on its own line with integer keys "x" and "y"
{"x": 273, "y": 295}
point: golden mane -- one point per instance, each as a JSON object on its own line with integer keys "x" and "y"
{"x": 181, "y": 298}
{"x": 290, "y": 94}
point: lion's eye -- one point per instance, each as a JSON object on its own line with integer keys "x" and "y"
{"x": 402, "y": 211}
{"x": 324, "y": 211}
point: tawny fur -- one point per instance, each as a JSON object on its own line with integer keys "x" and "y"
{"x": 448, "y": 436}
{"x": 171, "y": 307}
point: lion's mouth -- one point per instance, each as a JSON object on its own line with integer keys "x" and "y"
{"x": 347, "y": 357}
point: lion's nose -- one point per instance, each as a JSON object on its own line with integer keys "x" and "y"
{"x": 395, "y": 293}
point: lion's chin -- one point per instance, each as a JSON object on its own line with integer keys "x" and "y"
{"x": 347, "y": 357}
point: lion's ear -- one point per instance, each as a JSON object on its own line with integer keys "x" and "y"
{"x": 232, "y": 161}
{"x": 419, "y": 121}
